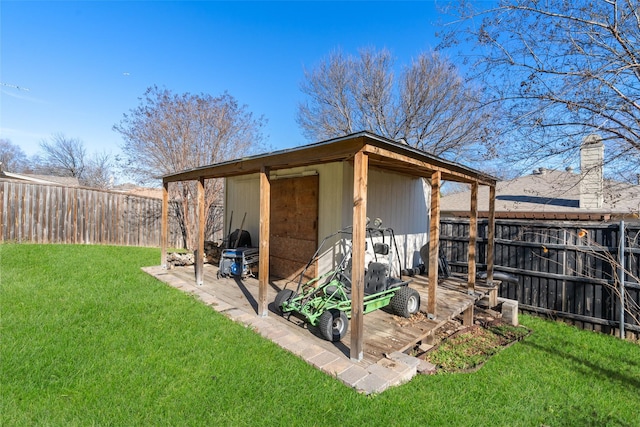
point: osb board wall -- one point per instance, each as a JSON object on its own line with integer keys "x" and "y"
{"x": 294, "y": 226}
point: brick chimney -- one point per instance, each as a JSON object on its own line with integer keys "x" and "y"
{"x": 591, "y": 172}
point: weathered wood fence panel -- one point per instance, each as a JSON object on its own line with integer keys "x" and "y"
{"x": 40, "y": 213}
{"x": 565, "y": 269}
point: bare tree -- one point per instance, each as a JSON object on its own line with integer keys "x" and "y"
{"x": 559, "y": 70}
{"x": 429, "y": 105}
{"x": 99, "y": 171}
{"x": 63, "y": 156}
{"x": 12, "y": 158}
{"x": 169, "y": 132}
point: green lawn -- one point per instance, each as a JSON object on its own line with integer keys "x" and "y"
{"x": 89, "y": 339}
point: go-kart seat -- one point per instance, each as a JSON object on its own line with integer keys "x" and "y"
{"x": 377, "y": 279}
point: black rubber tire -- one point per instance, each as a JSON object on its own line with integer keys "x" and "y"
{"x": 281, "y": 297}
{"x": 333, "y": 324}
{"x": 405, "y": 302}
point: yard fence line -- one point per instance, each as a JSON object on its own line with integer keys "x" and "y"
{"x": 560, "y": 273}
{"x": 43, "y": 213}
{"x": 569, "y": 270}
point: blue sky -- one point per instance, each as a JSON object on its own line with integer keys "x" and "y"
{"x": 85, "y": 64}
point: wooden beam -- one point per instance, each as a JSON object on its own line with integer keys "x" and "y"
{"x": 434, "y": 243}
{"x": 199, "y": 261}
{"x": 360, "y": 178}
{"x": 491, "y": 236}
{"x": 164, "y": 225}
{"x": 473, "y": 237}
{"x": 571, "y": 216}
{"x": 426, "y": 167}
{"x": 263, "y": 263}
{"x": 304, "y": 156}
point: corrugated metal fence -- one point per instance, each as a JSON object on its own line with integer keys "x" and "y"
{"x": 569, "y": 270}
{"x": 41, "y": 213}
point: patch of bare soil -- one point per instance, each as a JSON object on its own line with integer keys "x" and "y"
{"x": 457, "y": 348}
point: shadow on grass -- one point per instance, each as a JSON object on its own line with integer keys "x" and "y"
{"x": 633, "y": 362}
{"x": 587, "y": 367}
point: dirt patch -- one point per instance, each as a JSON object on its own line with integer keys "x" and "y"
{"x": 465, "y": 349}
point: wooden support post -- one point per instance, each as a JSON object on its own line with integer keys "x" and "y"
{"x": 431, "y": 338}
{"x": 434, "y": 244}
{"x": 360, "y": 177}
{"x": 491, "y": 237}
{"x": 199, "y": 256}
{"x": 467, "y": 316}
{"x": 263, "y": 263}
{"x": 473, "y": 236}
{"x": 164, "y": 225}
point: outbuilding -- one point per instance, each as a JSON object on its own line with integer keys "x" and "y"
{"x": 294, "y": 197}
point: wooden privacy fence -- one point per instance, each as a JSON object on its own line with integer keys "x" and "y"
{"x": 570, "y": 270}
{"x": 41, "y": 213}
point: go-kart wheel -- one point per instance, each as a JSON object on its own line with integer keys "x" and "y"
{"x": 333, "y": 324}
{"x": 405, "y": 302}
{"x": 282, "y": 296}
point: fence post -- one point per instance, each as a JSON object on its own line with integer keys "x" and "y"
{"x": 621, "y": 277}
{"x": 565, "y": 244}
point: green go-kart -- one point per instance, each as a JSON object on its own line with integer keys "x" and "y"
{"x": 325, "y": 301}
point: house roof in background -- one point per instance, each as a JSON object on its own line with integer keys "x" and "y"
{"x": 42, "y": 179}
{"x": 154, "y": 193}
{"x": 547, "y": 194}
{"x": 132, "y": 189}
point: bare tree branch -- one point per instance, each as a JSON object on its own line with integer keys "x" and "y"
{"x": 12, "y": 158}
{"x": 560, "y": 70}
{"x": 171, "y": 132}
{"x": 63, "y": 156}
{"x": 99, "y": 172}
{"x": 429, "y": 105}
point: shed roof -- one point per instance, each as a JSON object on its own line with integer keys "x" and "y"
{"x": 383, "y": 152}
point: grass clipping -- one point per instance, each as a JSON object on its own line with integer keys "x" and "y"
{"x": 468, "y": 349}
